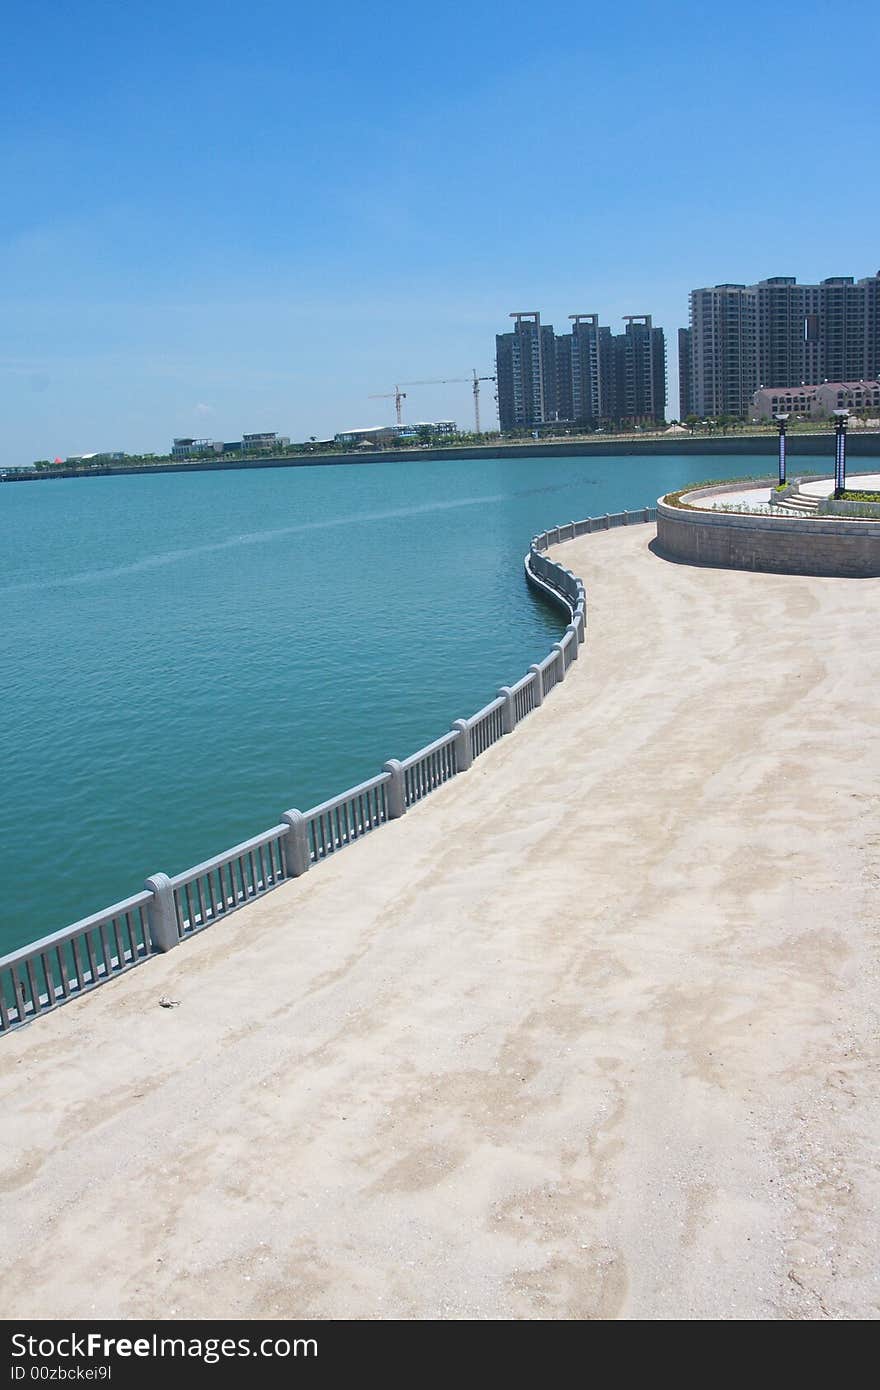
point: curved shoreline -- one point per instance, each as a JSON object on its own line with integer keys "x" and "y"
{"x": 597, "y": 1038}
{"x": 865, "y": 445}
{"x": 39, "y": 977}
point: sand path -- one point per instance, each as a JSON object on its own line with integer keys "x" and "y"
{"x": 592, "y": 1033}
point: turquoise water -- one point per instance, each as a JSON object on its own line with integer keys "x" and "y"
{"x": 185, "y": 656}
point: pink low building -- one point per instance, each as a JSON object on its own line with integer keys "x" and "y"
{"x": 815, "y": 402}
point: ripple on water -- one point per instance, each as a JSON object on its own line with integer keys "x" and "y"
{"x": 184, "y": 656}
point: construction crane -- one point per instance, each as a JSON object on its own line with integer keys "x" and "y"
{"x": 473, "y": 380}
{"x": 477, "y": 380}
{"x": 398, "y": 395}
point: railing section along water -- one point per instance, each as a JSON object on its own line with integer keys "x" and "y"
{"x": 71, "y": 962}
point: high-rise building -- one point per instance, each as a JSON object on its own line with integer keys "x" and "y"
{"x": 723, "y": 350}
{"x": 776, "y": 333}
{"x": 564, "y": 383}
{"x": 525, "y": 362}
{"x": 872, "y": 320}
{"x": 639, "y": 372}
{"x": 787, "y": 318}
{"x": 685, "y": 375}
{"x": 845, "y": 346}
{"x": 589, "y": 376}
{"x": 592, "y": 370}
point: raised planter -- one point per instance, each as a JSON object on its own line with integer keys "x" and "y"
{"x": 841, "y": 506}
{"x": 779, "y": 543}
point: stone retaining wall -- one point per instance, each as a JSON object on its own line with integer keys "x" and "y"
{"x": 773, "y": 544}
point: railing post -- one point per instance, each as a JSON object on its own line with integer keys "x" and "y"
{"x": 162, "y": 914}
{"x": 463, "y": 755}
{"x": 508, "y": 710}
{"x": 297, "y": 857}
{"x": 607, "y": 520}
{"x": 560, "y": 660}
{"x": 537, "y": 686}
{"x": 645, "y": 516}
{"x": 395, "y": 791}
{"x": 575, "y": 640}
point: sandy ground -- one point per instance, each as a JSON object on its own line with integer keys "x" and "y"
{"x": 590, "y": 1034}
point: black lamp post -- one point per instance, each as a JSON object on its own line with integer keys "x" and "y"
{"x": 840, "y": 419}
{"x": 781, "y": 420}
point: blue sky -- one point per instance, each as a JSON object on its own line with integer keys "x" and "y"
{"x": 229, "y": 217}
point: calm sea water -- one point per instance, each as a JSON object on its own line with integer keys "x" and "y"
{"x": 185, "y": 656}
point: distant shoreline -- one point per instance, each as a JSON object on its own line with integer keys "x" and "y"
{"x": 865, "y": 445}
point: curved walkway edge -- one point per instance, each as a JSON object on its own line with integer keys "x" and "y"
{"x": 596, "y": 1036}
{"x": 39, "y": 977}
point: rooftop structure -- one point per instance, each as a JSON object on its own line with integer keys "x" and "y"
{"x": 434, "y": 427}
{"x": 370, "y": 434}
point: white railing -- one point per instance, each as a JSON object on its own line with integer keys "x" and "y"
{"x": 425, "y": 771}
{"x": 487, "y": 726}
{"x": 523, "y": 697}
{"x": 220, "y": 885}
{"x": 59, "y": 967}
{"x": 344, "y": 819}
{"x": 37, "y": 978}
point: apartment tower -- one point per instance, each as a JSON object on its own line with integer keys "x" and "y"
{"x": 639, "y": 372}
{"x": 525, "y": 363}
{"x": 776, "y": 333}
{"x": 589, "y": 377}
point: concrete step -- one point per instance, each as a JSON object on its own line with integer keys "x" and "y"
{"x": 801, "y": 506}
